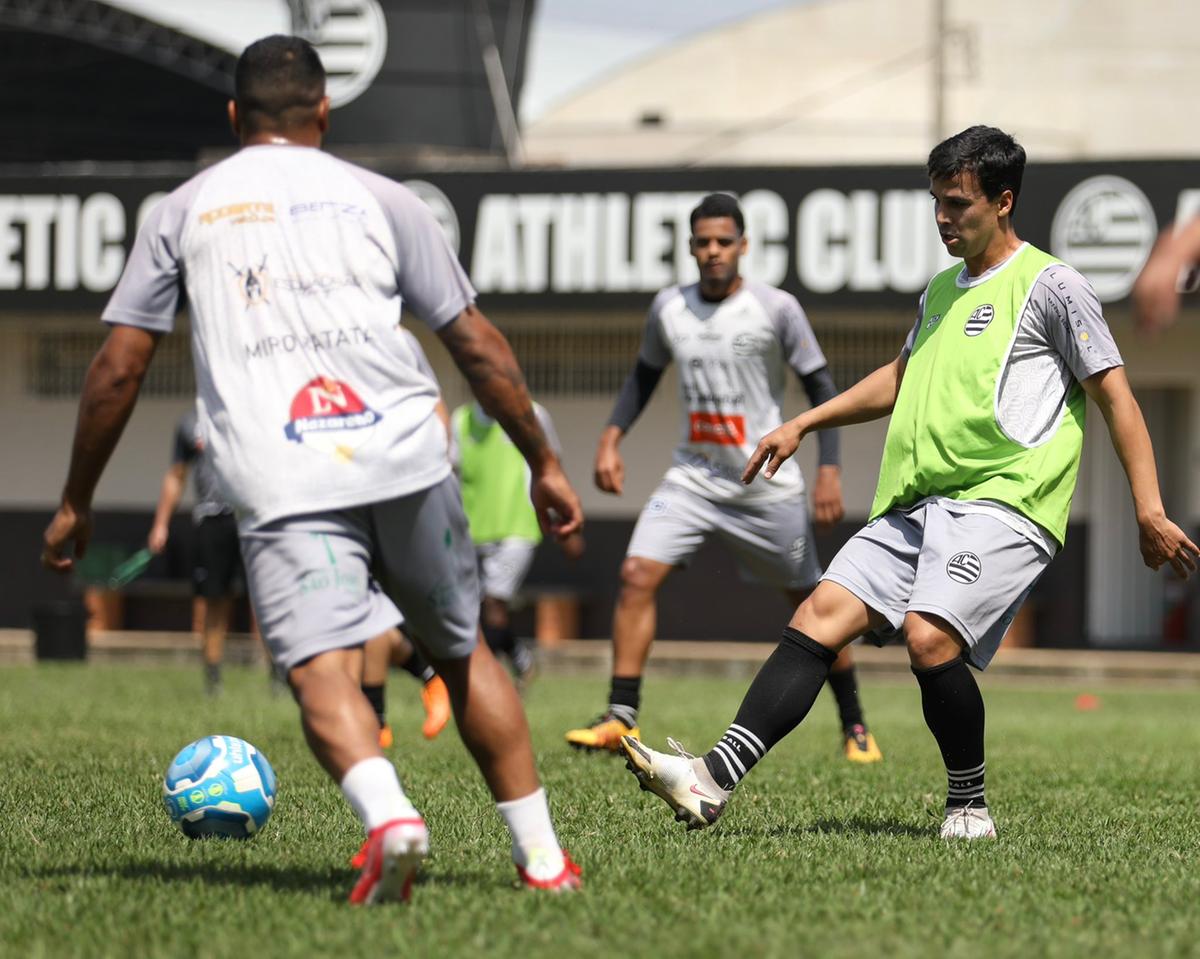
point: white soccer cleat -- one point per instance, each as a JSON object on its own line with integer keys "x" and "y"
{"x": 389, "y": 860}
{"x": 696, "y": 800}
{"x": 968, "y": 822}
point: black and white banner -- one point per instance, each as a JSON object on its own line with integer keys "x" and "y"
{"x": 851, "y": 236}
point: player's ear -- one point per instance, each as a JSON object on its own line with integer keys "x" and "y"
{"x": 232, "y": 111}
{"x": 323, "y": 115}
{"x": 1004, "y": 203}
{"x": 742, "y": 245}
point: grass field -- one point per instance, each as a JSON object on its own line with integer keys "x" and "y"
{"x": 1099, "y": 849}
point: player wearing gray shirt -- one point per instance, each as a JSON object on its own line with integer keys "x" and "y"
{"x": 733, "y": 342}
{"x": 322, "y": 432}
{"x": 987, "y": 404}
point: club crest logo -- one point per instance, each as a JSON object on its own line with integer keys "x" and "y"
{"x": 978, "y": 321}
{"x": 964, "y": 567}
{"x": 253, "y": 283}
{"x": 329, "y": 416}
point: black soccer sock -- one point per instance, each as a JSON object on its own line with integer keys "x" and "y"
{"x": 779, "y": 698}
{"x": 417, "y": 666}
{"x": 500, "y": 639}
{"x": 377, "y": 697}
{"x": 844, "y": 683}
{"x": 625, "y": 698}
{"x": 953, "y": 708}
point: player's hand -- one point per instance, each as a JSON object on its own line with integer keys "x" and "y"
{"x": 610, "y": 468}
{"x": 558, "y": 511}
{"x": 156, "y": 542}
{"x": 828, "y": 508}
{"x": 1162, "y": 542}
{"x": 772, "y": 450}
{"x": 69, "y": 525}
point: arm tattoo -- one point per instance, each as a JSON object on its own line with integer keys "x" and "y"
{"x": 484, "y": 357}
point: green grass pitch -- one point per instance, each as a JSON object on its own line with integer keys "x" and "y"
{"x": 1098, "y": 855}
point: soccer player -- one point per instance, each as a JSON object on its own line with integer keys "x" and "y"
{"x": 217, "y": 560}
{"x": 987, "y": 401}
{"x": 732, "y": 341}
{"x": 323, "y": 436}
{"x": 1173, "y": 267}
{"x": 504, "y": 528}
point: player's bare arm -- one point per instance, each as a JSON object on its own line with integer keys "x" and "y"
{"x": 484, "y": 357}
{"x": 110, "y": 392}
{"x": 1160, "y": 539}
{"x": 1156, "y": 293}
{"x": 168, "y": 499}
{"x": 869, "y": 399}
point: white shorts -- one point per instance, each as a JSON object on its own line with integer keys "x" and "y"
{"x": 771, "y": 541}
{"x": 503, "y": 566}
{"x": 972, "y": 570}
{"x": 310, "y": 576}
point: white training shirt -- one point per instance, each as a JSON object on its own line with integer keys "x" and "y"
{"x": 733, "y": 357}
{"x": 296, "y": 266}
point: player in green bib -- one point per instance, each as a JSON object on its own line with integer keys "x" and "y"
{"x": 504, "y": 527}
{"x": 987, "y": 401}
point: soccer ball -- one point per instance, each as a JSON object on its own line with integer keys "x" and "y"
{"x": 219, "y": 786}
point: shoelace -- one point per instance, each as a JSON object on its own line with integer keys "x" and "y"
{"x": 674, "y": 744}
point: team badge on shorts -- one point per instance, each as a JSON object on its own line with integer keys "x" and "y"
{"x": 964, "y": 568}
{"x": 329, "y": 416}
{"x": 978, "y": 321}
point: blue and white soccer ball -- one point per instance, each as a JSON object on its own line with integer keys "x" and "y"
{"x": 219, "y": 786}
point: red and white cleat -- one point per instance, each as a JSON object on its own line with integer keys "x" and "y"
{"x": 568, "y": 879}
{"x": 389, "y": 860}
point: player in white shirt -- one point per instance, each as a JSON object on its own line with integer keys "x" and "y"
{"x": 323, "y": 436}
{"x": 732, "y": 341}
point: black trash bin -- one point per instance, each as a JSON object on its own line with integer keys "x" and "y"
{"x": 59, "y": 630}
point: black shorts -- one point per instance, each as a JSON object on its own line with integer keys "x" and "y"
{"x": 218, "y": 557}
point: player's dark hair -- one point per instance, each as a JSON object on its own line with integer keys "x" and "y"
{"x": 991, "y": 154}
{"x": 279, "y": 82}
{"x": 718, "y": 205}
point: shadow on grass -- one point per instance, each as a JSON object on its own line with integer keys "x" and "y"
{"x": 331, "y": 883}
{"x": 854, "y": 826}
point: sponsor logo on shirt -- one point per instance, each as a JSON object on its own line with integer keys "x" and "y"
{"x": 326, "y": 210}
{"x": 964, "y": 567}
{"x": 317, "y": 285}
{"x": 932, "y": 321}
{"x": 329, "y": 416}
{"x": 253, "y": 283}
{"x": 307, "y": 342}
{"x": 252, "y": 211}
{"x": 978, "y": 321}
{"x": 723, "y": 429}
{"x": 750, "y": 344}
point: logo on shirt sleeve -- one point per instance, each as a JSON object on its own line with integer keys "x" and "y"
{"x": 723, "y": 429}
{"x": 329, "y": 416}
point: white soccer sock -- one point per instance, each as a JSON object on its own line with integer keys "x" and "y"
{"x": 373, "y": 790}
{"x": 534, "y": 844}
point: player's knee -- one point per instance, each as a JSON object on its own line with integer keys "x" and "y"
{"x": 930, "y": 643}
{"x": 637, "y": 579}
